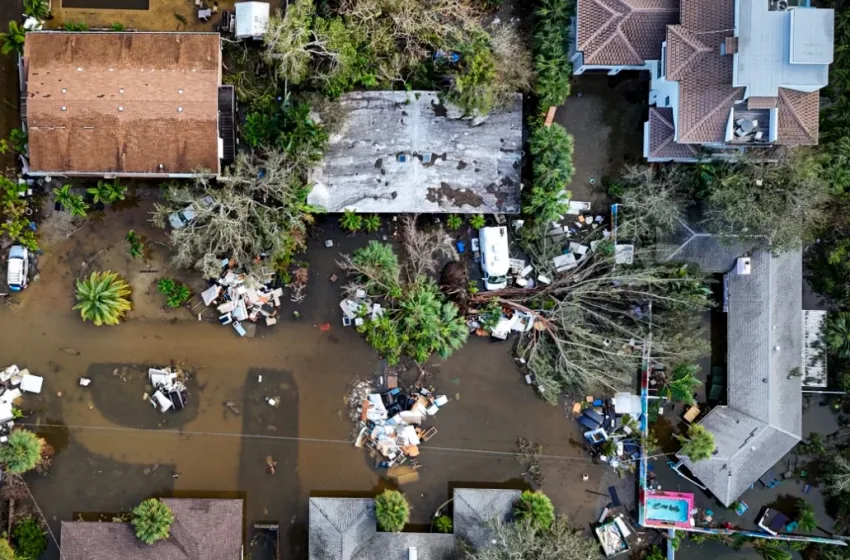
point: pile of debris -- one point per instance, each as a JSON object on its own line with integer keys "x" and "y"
{"x": 242, "y": 297}
{"x": 14, "y": 382}
{"x": 358, "y": 306}
{"x": 169, "y": 392}
{"x": 391, "y": 424}
{"x": 611, "y": 428}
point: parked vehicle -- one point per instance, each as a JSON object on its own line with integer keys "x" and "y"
{"x": 18, "y": 268}
{"x": 495, "y": 256}
{"x": 184, "y": 217}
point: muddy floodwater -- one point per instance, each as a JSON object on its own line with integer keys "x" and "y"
{"x": 113, "y": 449}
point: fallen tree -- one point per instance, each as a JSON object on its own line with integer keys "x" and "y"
{"x": 259, "y": 209}
{"x": 593, "y": 321}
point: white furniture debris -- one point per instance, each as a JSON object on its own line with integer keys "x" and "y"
{"x": 85, "y": 382}
{"x": 624, "y": 254}
{"x": 210, "y": 294}
{"x": 31, "y": 384}
{"x": 10, "y": 396}
{"x": 577, "y": 207}
{"x": 160, "y": 401}
{"x": 564, "y": 263}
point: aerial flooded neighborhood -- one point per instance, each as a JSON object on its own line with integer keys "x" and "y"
{"x": 424, "y": 279}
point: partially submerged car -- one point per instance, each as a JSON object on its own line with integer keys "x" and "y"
{"x": 18, "y": 268}
{"x": 185, "y": 217}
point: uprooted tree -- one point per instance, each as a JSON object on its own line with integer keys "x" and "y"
{"x": 594, "y": 319}
{"x": 523, "y": 540}
{"x": 259, "y": 209}
{"x": 416, "y": 318}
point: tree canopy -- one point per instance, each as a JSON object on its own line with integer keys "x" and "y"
{"x": 521, "y": 540}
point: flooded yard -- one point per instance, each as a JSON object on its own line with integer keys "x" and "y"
{"x": 113, "y": 448}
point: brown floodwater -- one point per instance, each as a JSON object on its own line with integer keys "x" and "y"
{"x": 113, "y": 449}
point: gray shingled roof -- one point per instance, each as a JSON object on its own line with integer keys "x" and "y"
{"x": 763, "y": 419}
{"x": 346, "y": 528}
{"x": 208, "y": 529}
{"x": 453, "y": 164}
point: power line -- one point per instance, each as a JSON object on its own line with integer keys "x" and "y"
{"x": 284, "y": 438}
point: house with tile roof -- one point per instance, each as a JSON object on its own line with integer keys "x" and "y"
{"x": 202, "y": 528}
{"x": 136, "y": 105}
{"x": 346, "y": 528}
{"x": 726, "y": 75}
{"x": 761, "y": 421}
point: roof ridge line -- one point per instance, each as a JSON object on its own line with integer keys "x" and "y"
{"x": 793, "y": 109}
{"x": 626, "y": 39}
{"x": 602, "y": 28}
{"x": 708, "y": 115}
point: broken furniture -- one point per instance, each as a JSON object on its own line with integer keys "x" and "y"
{"x": 169, "y": 392}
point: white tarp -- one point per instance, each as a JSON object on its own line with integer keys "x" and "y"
{"x": 252, "y": 19}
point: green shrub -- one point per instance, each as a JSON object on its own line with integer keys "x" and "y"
{"x": 392, "y": 511}
{"x": 443, "y": 524}
{"x": 477, "y": 221}
{"x": 22, "y": 452}
{"x": 176, "y": 293}
{"x": 454, "y": 221}
{"x": 372, "y": 223}
{"x": 29, "y": 539}
{"x": 136, "y": 246}
{"x": 351, "y": 221}
{"x": 535, "y": 507}
{"x": 473, "y": 88}
{"x": 551, "y": 40}
{"x": 152, "y": 521}
{"x": 552, "y": 170}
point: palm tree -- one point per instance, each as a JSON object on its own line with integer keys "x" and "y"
{"x": 14, "y": 40}
{"x": 37, "y": 9}
{"x": 152, "y": 521}
{"x": 537, "y": 508}
{"x": 351, "y": 221}
{"x": 99, "y": 192}
{"x": 102, "y": 298}
{"x": 699, "y": 443}
{"x": 838, "y": 334}
{"x": 71, "y": 202}
{"x": 771, "y": 549}
{"x": 22, "y": 452}
{"x": 682, "y": 384}
{"x": 806, "y": 520}
{"x": 392, "y": 511}
{"x": 115, "y": 192}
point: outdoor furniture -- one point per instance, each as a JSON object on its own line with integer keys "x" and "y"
{"x": 769, "y": 480}
{"x": 691, "y": 414}
{"x": 204, "y": 15}
{"x": 741, "y": 507}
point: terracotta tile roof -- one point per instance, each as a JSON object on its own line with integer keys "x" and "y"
{"x": 623, "y": 32}
{"x": 798, "y": 117}
{"x": 661, "y": 136}
{"x": 132, "y": 102}
{"x": 761, "y": 102}
{"x": 208, "y": 529}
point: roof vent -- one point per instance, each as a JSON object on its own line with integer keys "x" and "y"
{"x": 180, "y": 91}
{"x": 179, "y": 109}
{"x": 777, "y": 348}
{"x": 64, "y": 108}
{"x": 742, "y": 266}
{"x": 120, "y": 108}
{"x": 80, "y": 69}
{"x": 411, "y": 553}
{"x": 161, "y": 167}
{"x": 64, "y": 90}
{"x": 120, "y": 90}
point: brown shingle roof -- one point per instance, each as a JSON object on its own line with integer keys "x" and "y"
{"x": 132, "y": 102}
{"x": 761, "y": 102}
{"x": 661, "y": 136}
{"x": 623, "y": 32}
{"x": 207, "y": 529}
{"x": 798, "y": 117}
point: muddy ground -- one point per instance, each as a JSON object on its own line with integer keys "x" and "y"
{"x": 113, "y": 449}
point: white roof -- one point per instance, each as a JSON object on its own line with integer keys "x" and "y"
{"x": 252, "y": 19}
{"x": 812, "y": 35}
{"x": 763, "y": 62}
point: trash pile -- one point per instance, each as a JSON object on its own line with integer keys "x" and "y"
{"x": 169, "y": 392}
{"x": 611, "y": 428}
{"x": 242, "y": 297}
{"x": 14, "y": 382}
{"x": 391, "y": 423}
{"x": 355, "y": 308}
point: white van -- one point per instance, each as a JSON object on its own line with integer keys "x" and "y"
{"x": 495, "y": 256}
{"x": 19, "y": 268}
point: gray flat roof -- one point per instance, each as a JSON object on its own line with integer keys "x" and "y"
{"x": 763, "y": 62}
{"x": 451, "y": 164}
{"x": 812, "y": 36}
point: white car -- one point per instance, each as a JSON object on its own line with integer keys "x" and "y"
{"x": 495, "y": 256}
{"x": 184, "y": 217}
{"x": 18, "y": 268}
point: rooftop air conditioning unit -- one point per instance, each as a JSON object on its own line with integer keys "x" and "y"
{"x": 742, "y": 266}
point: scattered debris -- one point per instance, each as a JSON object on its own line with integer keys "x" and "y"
{"x": 528, "y": 455}
{"x": 231, "y": 406}
{"x": 85, "y": 382}
{"x": 390, "y": 423}
{"x": 271, "y": 464}
{"x": 240, "y": 297}
{"x": 70, "y": 351}
{"x": 169, "y": 392}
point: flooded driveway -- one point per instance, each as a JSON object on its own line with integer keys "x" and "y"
{"x": 113, "y": 449}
